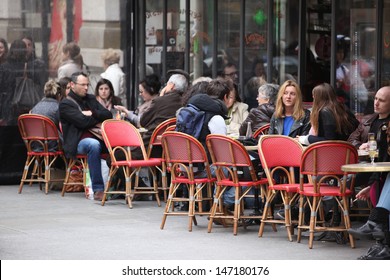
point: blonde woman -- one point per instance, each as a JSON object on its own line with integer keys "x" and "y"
{"x": 290, "y": 118}
{"x": 114, "y": 73}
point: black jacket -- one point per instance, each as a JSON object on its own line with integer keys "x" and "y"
{"x": 258, "y": 117}
{"x": 212, "y": 107}
{"x": 74, "y": 122}
{"x": 299, "y": 127}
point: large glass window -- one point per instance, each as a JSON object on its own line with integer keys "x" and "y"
{"x": 386, "y": 45}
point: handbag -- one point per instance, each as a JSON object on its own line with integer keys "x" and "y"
{"x": 97, "y": 129}
{"x": 26, "y": 93}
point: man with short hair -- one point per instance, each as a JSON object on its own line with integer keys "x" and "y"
{"x": 78, "y": 113}
{"x": 371, "y": 124}
{"x": 230, "y": 72}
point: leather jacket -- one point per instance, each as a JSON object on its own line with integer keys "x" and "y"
{"x": 299, "y": 127}
{"x": 258, "y": 117}
{"x": 360, "y": 135}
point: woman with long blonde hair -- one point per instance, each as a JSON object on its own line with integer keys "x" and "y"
{"x": 290, "y": 117}
{"x": 330, "y": 119}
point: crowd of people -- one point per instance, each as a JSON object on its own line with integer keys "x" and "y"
{"x": 67, "y": 101}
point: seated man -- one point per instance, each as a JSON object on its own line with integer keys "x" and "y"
{"x": 371, "y": 124}
{"x": 78, "y": 113}
{"x": 377, "y": 226}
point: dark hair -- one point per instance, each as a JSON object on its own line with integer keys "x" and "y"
{"x": 220, "y": 87}
{"x": 238, "y": 98}
{"x": 325, "y": 98}
{"x": 75, "y": 75}
{"x": 104, "y": 82}
{"x": 63, "y": 82}
{"x": 74, "y": 53}
{"x": 151, "y": 84}
{"x": 200, "y": 87}
{"x": 4, "y": 42}
{"x": 33, "y": 53}
{"x": 17, "y": 51}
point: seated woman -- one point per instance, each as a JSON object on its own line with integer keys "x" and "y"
{"x": 262, "y": 114}
{"x": 290, "y": 117}
{"x": 237, "y": 110}
{"x": 104, "y": 92}
{"x": 329, "y": 118}
{"x": 48, "y": 107}
{"x": 148, "y": 90}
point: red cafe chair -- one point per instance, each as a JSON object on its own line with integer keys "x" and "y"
{"x": 263, "y": 130}
{"x": 229, "y": 157}
{"x": 120, "y": 138}
{"x": 280, "y": 156}
{"x": 155, "y": 141}
{"x": 184, "y": 155}
{"x": 43, "y": 144}
{"x": 322, "y": 161}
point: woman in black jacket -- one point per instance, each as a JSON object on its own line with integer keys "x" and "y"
{"x": 330, "y": 119}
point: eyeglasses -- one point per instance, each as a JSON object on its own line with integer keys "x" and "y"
{"x": 83, "y": 85}
{"x": 231, "y": 74}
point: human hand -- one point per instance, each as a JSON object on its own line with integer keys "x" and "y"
{"x": 121, "y": 109}
{"x": 364, "y": 146}
{"x": 87, "y": 113}
{"x": 364, "y": 194}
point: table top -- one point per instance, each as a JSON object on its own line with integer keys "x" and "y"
{"x": 367, "y": 167}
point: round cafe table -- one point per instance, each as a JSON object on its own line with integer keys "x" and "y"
{"x": 367, "y": 167}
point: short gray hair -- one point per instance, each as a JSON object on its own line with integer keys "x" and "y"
{"x": 269, "y": 91}
{"x": 180, "y": 82}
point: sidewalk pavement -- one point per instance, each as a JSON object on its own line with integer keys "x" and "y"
{"x": 35, "y": 226}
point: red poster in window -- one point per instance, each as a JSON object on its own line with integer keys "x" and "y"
{"x": 58, "y": 31}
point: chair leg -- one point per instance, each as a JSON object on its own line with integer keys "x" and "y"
{"x": 270, "y": 195}
{"x": 313, "y": 217}
{"x": 191, "y": 206}
{"x": 153, "y": 170}
{"x": 347, "y": 221}
{"x": 111, "y": 175}
{"x": 47, "y": 174}
{"x": 169, "y": 204}
{"x": 216, "y": 203}
{"x": 129, "y": 196}
{"x": 25, "y": 172}
{"x": 300, "y": 218}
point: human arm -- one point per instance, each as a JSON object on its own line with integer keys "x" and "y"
{"x": 217, "y": 125}
{"x": 356, "y": 137}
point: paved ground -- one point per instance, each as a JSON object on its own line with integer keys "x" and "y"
{"x": 35, "y": 226}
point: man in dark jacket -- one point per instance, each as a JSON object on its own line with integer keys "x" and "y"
{"x": 78, "y": 113}
{"x": 372, "y": 123}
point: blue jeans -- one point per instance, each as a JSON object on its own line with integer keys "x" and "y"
{"x": 384, "y": 199}
{"x": 92, "y": 148}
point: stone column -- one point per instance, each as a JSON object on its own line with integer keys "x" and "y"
{"x": 100, "y": 30}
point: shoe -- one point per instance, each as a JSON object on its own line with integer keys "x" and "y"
{"x": 372, "y": 251}
{"x": 367, "y": 230}
{"x": 384, "y": 254}
{"x": 98, "y": 195}
{"x": 378, "y": 251}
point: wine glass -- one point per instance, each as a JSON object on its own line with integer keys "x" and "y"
{"x": 372, "y": 154}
